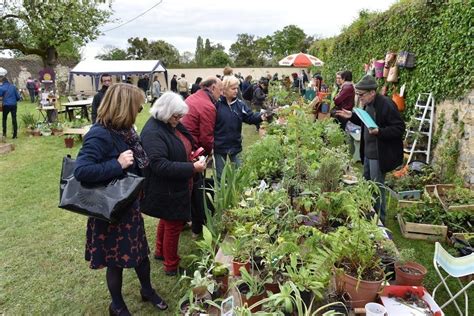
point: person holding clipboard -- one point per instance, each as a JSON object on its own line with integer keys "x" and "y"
{"x": 381, "y": 147}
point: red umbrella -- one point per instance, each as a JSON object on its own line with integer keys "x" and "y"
{"x": 300, "y": 60}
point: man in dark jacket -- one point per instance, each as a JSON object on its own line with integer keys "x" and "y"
{"x": 381, "y": 148}
{"x": 105, "y": 80}
{"x": 174, "y": 84}
{"x": 10, "y": 96}
{"x": 144, "y": 83}
{"x": 200, "y": 121}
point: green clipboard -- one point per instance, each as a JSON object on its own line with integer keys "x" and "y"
{"x": 365, "y": 118}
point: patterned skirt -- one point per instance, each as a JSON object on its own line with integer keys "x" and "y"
{"x": 122, "y": 245}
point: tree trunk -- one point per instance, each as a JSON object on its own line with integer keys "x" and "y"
{"x": 50, "y": 57}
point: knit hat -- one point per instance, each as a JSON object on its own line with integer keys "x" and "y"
{"x": 366, "y": 83}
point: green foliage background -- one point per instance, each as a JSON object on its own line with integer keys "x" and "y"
{"x": 440, "y": 33}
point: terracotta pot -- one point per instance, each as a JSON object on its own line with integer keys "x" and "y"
{"x": 243, "y": 289}
{"x": 69, "y": 142}
{"x": 361, "y": 292}
{"x": 413, "y": 275}
{"x": 199, "y": 291}
{"x": 223, "y": 283}
{"x": 236, "y": 267}
{"x": 272, "y": 287}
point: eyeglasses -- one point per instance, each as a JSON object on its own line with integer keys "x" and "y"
{"x": 359, "y": 94}
{"x": 177, "y": 116}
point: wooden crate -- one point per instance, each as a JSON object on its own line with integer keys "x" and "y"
{"x": 429, "y": 191}
{"x": 422, "y": 231}
{"x": 439, "y": 192}
{"x": 408, "y": 203}
{"x": 409, "y": 198}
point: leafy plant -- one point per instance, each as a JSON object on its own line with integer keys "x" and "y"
{"x": 237, "y": 247}
{"x": 264, "y": 159}
{"x": 406, "y": 255}
{"x": 255, "y": 285}
{"x": 426, "y": 213}
{"x": 28, "y": 120}
{"x": 199, "y": 281}
{"x": 227, "y": 194}
{"x": 445, "y": 45}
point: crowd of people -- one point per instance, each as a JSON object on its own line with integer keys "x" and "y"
{"x": 187, "y": 126}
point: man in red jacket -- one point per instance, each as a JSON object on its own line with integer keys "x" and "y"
{"x": 200, "y": 121}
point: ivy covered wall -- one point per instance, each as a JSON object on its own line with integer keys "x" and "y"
{"x": 440, "y": 33}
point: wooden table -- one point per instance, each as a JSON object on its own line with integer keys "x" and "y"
{"x": 75, "y": 105}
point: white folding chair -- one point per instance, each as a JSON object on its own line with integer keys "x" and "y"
{"x": 454, "y": 267}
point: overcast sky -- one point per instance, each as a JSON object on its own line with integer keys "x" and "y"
{"x": 180, "y": 22}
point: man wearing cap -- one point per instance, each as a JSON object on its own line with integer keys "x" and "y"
{"x": 382, "y": 147}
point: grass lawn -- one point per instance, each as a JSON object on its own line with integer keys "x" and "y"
{"x": 42, "y": 266}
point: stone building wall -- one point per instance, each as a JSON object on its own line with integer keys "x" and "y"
{"x": 19, "y": 69}
{"x": 465, "y": 107}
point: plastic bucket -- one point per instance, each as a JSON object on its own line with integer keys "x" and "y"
{"x": 374, "y": 309}
{"x": 379, "y": 65}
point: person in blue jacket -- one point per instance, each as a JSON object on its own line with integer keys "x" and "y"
{"x": 111, "y": 148}
{"x": 231, "y": 112}
{"x": 10, "y": 98}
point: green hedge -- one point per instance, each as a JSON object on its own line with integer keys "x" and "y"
{"x": 440, "y": 33}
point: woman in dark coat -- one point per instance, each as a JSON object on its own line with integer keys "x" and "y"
{"x": 231, "y": 112}
{"x": 110, "y": 148}
{"x": 169, "y": 175}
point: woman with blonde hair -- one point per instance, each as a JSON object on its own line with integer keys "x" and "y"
{"x": 169, "y": 176}
{"x": 231, "y": 112}
{"x": 111, "y": 148}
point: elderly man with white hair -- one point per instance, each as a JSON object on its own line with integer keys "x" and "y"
{"x": 169, "y": 175}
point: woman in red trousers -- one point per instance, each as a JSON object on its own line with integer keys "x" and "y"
{"x": 169, "y": 175}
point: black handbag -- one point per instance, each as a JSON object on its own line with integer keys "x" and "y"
{"x": 103, "y": 201}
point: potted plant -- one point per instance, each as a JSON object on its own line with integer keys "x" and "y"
{"x": 69, "y": 141}
{"x": 56, "y": 128}
{"x": 29, "y": 122}
{"x": 408, "y": 272}
{"x": 358, "y": 266}
{"x": 202, "y": 286}
{"x": 45, "y": 130}
{"x": 388, "y": 254}
{"x": 221, "y": 275}
{"x": 251, "y": 289}
{"x": 238, "y": 248}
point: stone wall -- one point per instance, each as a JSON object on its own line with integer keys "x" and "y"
{"x": 465, "y": 107}
{"x": 19, "y": 69}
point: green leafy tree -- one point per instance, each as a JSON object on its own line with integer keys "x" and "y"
{"x": 163, "y": 51}
{"x": 113, "y": 53}
{"x": 244, "y": 50}
{"x": 217, "y": 58}
{"x": 186, "y": 58}
{"x": 144, "y": 49}
{"x": 41, "y": 28}
{"x": 288, "y": 41}
{"x": 199, "y": 55}
{"x": 207, "y": 47}
{"x": 139, "y": 48}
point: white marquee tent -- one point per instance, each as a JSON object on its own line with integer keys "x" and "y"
{"x": 95, "y": 68}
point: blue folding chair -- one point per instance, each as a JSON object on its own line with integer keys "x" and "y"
{"x": 454, "y": 267}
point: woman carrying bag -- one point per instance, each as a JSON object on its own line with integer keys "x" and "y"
{"x": 110, "y": 149}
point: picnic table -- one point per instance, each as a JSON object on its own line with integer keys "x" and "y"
{"x": 78, "y": 105}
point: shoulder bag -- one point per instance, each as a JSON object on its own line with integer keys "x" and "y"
{"x": 103, "y": 201}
